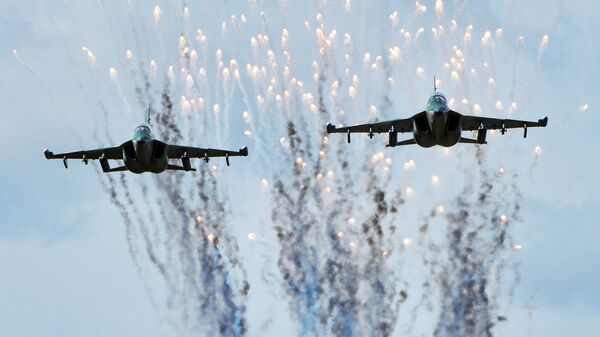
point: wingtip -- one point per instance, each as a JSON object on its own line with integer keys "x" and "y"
{"x": 244, "y": 151}
{"x": 543, "y": 121}
{"x": 330, "y": 128}
{"x": 47, "y": 153}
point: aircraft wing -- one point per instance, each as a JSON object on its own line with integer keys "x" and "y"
{"x": 107, "y": 153}
{"x": 398, "y": 125}
{"x": 178, "y": 151}
{"x": 470, "y": 123}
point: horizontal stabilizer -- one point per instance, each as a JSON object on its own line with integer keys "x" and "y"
{"x": 118, "y": 169}
{"x": 178, "y": 168}
{"x": 469, "y": 141}
{"x": 404, "y": 142}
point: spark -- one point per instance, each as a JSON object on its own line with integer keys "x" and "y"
{"x": 439, "y": 7}
{"x": 543, "y": 45}
{"x": 264, "y": 184}
{"x": 410, "y": 165}
{"x": 129, "y": 55}
{"x": 407, "y": 242}
{"x": 503, "y": 219}
{"x": 252, "y": 236}
{"x": 157, "y": 15}
{"x": 435, "y": 180}
{"x": 410, "y": 192}
{"x": 351, "y": 221}
{"x": 212, "y": 238}
{"x": 113, "y": 73}
{"x": 90, "y": 56}
{"x": 439, "y": 209}
{"x": 516, "y": 246}
{"x": 537, "y": 151}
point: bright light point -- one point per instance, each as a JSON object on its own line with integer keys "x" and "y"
{"x": 410, "y": 192}
{"x": 252, "y": 236}
{"x": 157, "y": 14}
{"x": 503, "y": 219}
{"x": 501, "y": 171}
{"x": 113, "y": 73}
{"x": 212, "y": 238}
{"x": 584, "y": 107}
{"x": 420, "y": 72}
{"x": 351, "y": 221}
{"x": 248, "y": 133}
{"x": 384, "y": 253}
{"x": 516, "y": 246}
{"x": 90, "y": 56}
{"x": 537, "y": 151}
{"x": 435, "y": 180}
{"x": 129, "y": 55}
{"x": 264, "y": 183}
{"x": 340, "y": 234}
{"x": 199, "y": 219}
{"x": 409, "y": 165}
{"x": 439, "y": 7}
{"x": 407, "y": 242}
{"x": 439, "y": 210}
{"x": 216, "y": 108}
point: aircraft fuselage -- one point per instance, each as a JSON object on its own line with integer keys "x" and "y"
{"x": 437, "y": 125}
{"x": 143, "y": 153}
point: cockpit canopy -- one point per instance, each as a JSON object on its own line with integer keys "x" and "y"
{"x": 142, "y": 132}
{"x": 436, "y": 102}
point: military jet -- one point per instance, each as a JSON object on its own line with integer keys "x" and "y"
{"x": 143, "y": 153}
{"x": 438, "y": 125}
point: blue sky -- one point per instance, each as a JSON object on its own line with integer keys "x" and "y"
{"x": 66, "y": 267}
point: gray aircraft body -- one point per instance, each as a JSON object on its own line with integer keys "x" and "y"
{"x": 143, "y": 153}
{"x": 438, "y": 125}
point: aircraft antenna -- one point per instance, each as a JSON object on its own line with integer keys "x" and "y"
{"x": 148, "y": 115}
{"x": 434, "y": 84}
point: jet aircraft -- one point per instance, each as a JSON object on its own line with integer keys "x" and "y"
{"x": 143, "y": 153}
{"x": 437, "y": 125}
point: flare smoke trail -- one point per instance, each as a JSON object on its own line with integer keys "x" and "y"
{"x": 473, "y": 270}
{"x": 189, "y": 245}
{"x": 338, "y": 214}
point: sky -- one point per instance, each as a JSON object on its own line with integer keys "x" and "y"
{"x": 71, "y": 265}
